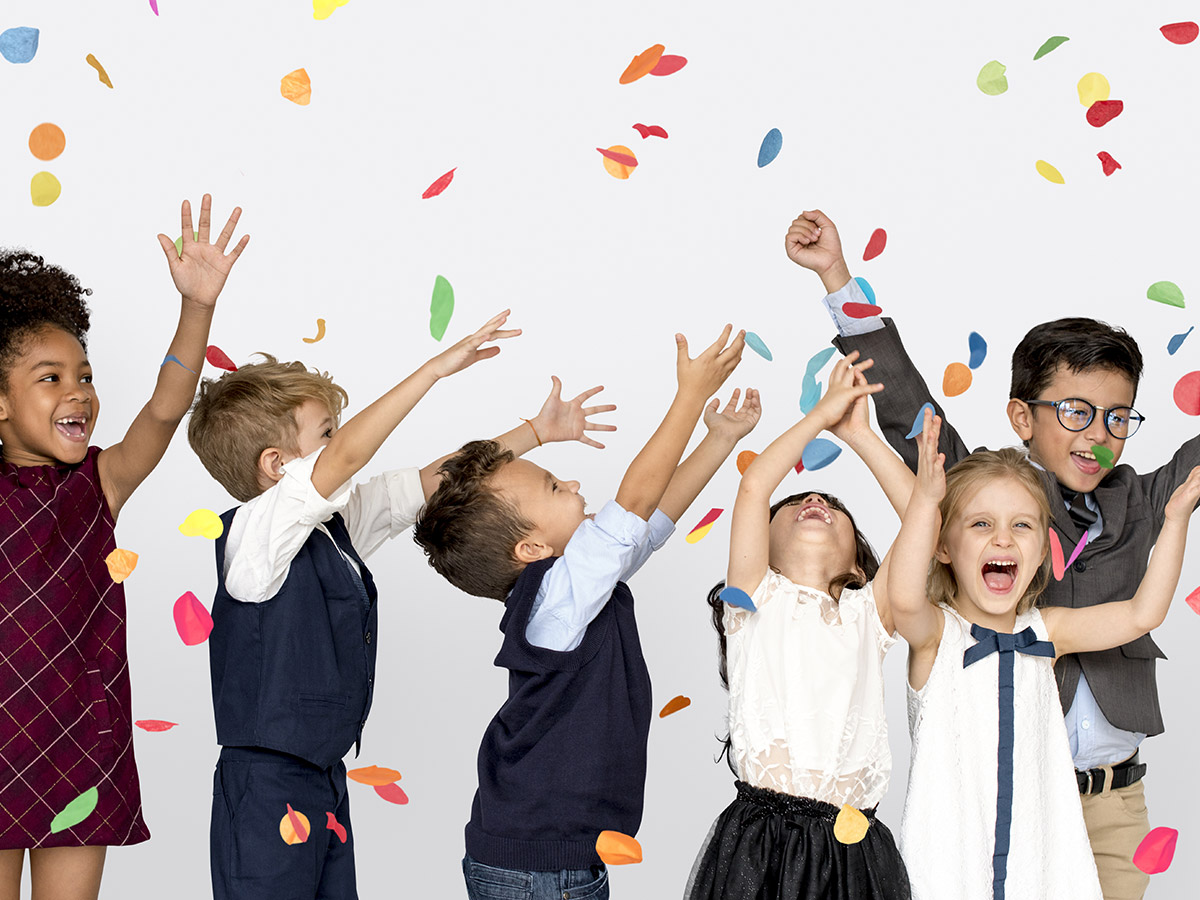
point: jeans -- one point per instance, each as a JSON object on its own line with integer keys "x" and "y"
{"x": 491, "y": 883}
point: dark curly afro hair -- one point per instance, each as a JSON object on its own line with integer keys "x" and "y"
{"x": 34, "y": 296}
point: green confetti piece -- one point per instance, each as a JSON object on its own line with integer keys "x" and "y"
{"x": 1104, "y": 456}
{"x": 1051, "y": 44}
{"x": 1167, "y": 292}
{"x": 441, "y": 307}
{"x": 991, "y": 78}
{"x": 75, "y": 811}
{"x": 179, "y": 242}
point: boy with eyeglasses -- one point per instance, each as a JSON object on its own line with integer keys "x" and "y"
{"x": 1073, "y": 387}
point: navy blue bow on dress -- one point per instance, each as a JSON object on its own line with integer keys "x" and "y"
{"x": 1007, "y": 646}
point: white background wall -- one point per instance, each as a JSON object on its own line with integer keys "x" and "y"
{"x": 883, "y": 127}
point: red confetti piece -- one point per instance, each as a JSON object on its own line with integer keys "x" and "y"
{"x": 1193, "y": 600}
{"x": 216, "y": 357}
{"x": 875, "y": 245}
{"x": 861, "y": 310}
{"x": 642, "y": 64}
{"x": 392, "y": 793}
{"x": 1104, "y": 111}
{"x": 622, "y": 158}
{"x": 332, "y": 824}
{"x": 155, "y": 724}
{"x": 1155, "y": 852}
{"x": 192, "y": 620}
{"x": 1109, "y": 164}
{"x": 440, "y": 185}
{"x": 1187, "y": 393}
{"x": 799, "y": 467}
{"x": 709, "y": 517}
{"x": 669, "y": 65}
{"x": 650, "y": 130}
{"x": 297, "y": 825}
{"x": 1056, "y": 556}
{"x": 674, "y": 705}
{"x": 1180, "y": 32}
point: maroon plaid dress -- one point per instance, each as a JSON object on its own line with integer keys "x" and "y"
{"x": 64, "y": 678}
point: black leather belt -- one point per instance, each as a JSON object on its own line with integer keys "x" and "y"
{"x": 1123, "y": 775}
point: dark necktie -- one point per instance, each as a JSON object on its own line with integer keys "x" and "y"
{"x": 1078, "y": 511}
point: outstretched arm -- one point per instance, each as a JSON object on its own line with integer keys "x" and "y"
{"x": 888, "y": 468}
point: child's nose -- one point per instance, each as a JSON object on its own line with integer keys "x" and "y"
{"x": 573, "y": 487}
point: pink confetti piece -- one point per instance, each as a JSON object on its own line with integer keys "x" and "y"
{"x": 154, "y": 6}
{"x": 1107, "y": 163}
{"x": 1180, "y": 32}
{"x": 1187, "y": 393}
{"x": 440, "y": 185}
{"x": 650, "y": 130}
{"x": 392, "y": 793}
{"x": 1056, "y": 556}
{"x": 332, "y": 824}
{"x": 875, "y": 245}
{"x": 1078, "y": 549}
{"x": 1193, "y": 600}
{"x": 669, "y": 65}
{"x": 216, "y": 357}
{"x": 155, "y": 724}
{"x": 622, "y": 158}
{"x": 297, "y": 825}
{"x": 1155, "y": 852}
{"x": 192, "y": 620}
{"x": 709, "y": 517}
{"x": 861, "y": 310}
{"x": 1104, "y": 111}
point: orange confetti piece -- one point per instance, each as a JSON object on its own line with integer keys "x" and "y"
{"x": 297, "y": 87}
{"x": 613, "y": 161}
{"x": 320, "y": 333}
{"x": 956, "y": 380}
{"x": 1057, "y": 562}
{"x": 744, "y": 459}
{"x": 95, "y": 64}
{"x": 294, "y": 827}
{"x": 392, "y": 793}
{"x": 47, "y": 141}
{"x": 1155, "y": 852}
{"x": 642, "y": 64}
{"x": 121, "y": 564}
{"x": 617, "y": 849}
{"x": 373, "y": 775}
{"x": 674, "y": 705}
{"x": 155, "y": 724}
{"x": 851, "y": 825}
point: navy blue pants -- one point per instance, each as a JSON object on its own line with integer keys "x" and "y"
{"x": 250, "y": 859}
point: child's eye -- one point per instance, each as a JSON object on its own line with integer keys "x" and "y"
{"x": 86, "y": 379}
{"x": 49, "y": 378}
{"x": 553, "y": 486}
{"x": 977, "y": 524}
{"x": 328, "y": 433}
{"x": 1022, "y": 525}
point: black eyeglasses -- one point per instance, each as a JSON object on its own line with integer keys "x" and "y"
{"x": 1075, "y": 414}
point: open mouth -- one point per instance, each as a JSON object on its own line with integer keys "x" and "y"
{"x": 815, "y": 511}
{"x": 1085, "y": 461}
{"x": 1000, "y": 575}
{"x": 74, "y": 428}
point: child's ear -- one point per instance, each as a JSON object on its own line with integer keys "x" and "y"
{"x": 941, "y": 554}
{"x": 529, "y": 550}
{"x": 1020, "y": 416}
{"x": 270, "y": 465}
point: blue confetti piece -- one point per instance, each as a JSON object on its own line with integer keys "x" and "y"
{"x": 818, "y": 360}
{"x": 755, "y": 343}
{"x": 978, "y": 350}
{"x": 771, "y": 145}
{"x": 810, "y": 395}
{"x": 819, "y": 453}
{"x": 919, "y": 421}
{"x": 170, "y": 357}
{"x": 866, "y": 289}
{"x": 1177, "y": 341}
{"x": 20, "y": 45}
{"x": 737, "y": 597}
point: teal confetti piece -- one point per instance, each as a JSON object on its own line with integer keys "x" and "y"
{"x": 770, "y": 147}
{"x": 810, "y": 394}
{"x": 755, "y": 343}
{"x": 75, "y": 811}
{"x": 819, "y": 453}
{"x": 19, "y": 45}
{"x": 441, "y": 307}
{"x": 868, "y": 291}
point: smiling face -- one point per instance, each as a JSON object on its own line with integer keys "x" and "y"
{"x": 555, "y": 507}
{"x": 811, "y": 541}
{"x": 48, "y": 406}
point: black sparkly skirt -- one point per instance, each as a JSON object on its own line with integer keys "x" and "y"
{"x": 770, "y": 846}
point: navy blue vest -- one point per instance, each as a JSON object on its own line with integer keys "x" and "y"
{"x": 565, "y": 757}
{"x": 296, "y": 672}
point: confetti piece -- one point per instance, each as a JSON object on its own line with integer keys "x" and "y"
{"x": 850, "y": 826}
{"x": 810, "y": 394}
{"x": 294, "y": 826}
{"x": 704, "y": 526}
{"x": 956, "y": 379}
{"x": 674, "y": 705}
{"x": 332, "y": 824}
{"x": 323, "y": 9}
{"x": 991, "y": 78}
{"x": 392, "y": 793}
{"x": 866, "y": 288}
{"x": 121, "y": 564}
{"x": 755, "y": 343}
{"x": 744, "y": 459}
{"x": 875, "y": 245}
{"x": 202, "y": 523}
{"x": 613, "y": 163}
{"x": 919, "y": 421}
{"x": 799, "y": 467}
{"x": 297, "y": 87}
{"x": 155, "y": 724}
{"x": 1107, "y": 163}
{"x": 1167, "y": 292}
{"x": 192, "y": 620}
{"x": 1155, "y": 852}
{"x": 1057, "y": 563}
{"x": 441, "y": 307}
{"x": 817, "y": 361}
{"x": 19, "y": 45}
{"x": 650, "y": 130}
{"x": 179, "y": 242}
{"x": 1177, "y": 341}
{"x": 1104, "y": 456}
{"x": 1104, "y": 111}
{"x": 1078, "y": 549}
{"x": 669, "y": 65}
{"x": 95, "y": 64}
{"x": 1187, "y": 393}
{"x": 861, "y": 310}
{"x": 770, "y": 147}
{"x": 617, "y": 849}
{"x": 1051, "y": 44}
{"x": 440, "y": 185}
{"x": 373, "y": 775}
{"x": 216, "y": 357}
{"x": 172, "y": 358}
{"x": 1092, "y": 87}
{"x": 978, "y": 348}
{"x": 1180, "y": 32}
{"x": 47, "y": 141}
{"x": 737, "y": 597}
{"x": 44, "y": 189}
{"x": 1050, "y": 173}
{"x": 642, "y": 64}
{"x": 154, "y": 6}
{"x": 75, "y": 811}
{"x": 320, "y": 333}
{"x": 818, "y": 453}
{"x": 1193, "y": 600}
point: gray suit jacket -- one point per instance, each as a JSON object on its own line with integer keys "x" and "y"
{"x": 1110, "y": 568}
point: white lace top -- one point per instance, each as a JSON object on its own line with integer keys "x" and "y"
{"x": 806, "y": 711}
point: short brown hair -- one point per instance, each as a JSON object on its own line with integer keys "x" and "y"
{"x": 239, "y": 415}
{"x": 965, "y": 478}
{"x": 468, "y": 530}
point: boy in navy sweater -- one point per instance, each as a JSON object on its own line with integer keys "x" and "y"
{"x": 565, "y": 757}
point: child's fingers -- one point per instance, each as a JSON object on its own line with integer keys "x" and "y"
{"x": 205, "y": 218}
{"x": 589, "y": 411}
{"x": 556, "y": 387}
{"x": 501, "y": 335}
{"x": 238, "y": 248}
{"x": 185, "y": 220}
{"x": 732, "y": 354}
{"x": 227, "y": 231}
{"x": 588, "y": 394}
{"x": 718, "y": 346}
{"x": 168, "y": 246}
{"x": 584, "y": 439}
{"x": 681, "y": 349}
{"x": 713, "y": 405}
{"x": 597, "y": 426}
{"x": 485, "y": 353}
{"x": 731, "y": 406}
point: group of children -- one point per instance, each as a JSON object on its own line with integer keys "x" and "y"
{"x": 805, "y": 616}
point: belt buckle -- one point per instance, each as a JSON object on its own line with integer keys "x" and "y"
{"x": 1090, "y": 781}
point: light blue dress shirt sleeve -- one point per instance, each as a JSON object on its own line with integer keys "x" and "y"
{"x": 847, "y": 325}
{"x": 603, "y": 550}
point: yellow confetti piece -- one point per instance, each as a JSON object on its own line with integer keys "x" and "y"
{"x": 202, "y": 523}
{"x": 121, "y": 564}
{"x": 288, "y": 830}
{"x": 44, "y": 189}
{"x": 323, "y": 9}
{"x": 1050, "y": 173}
{"x": 95, "y": 64}
{"x": 614, "y": 168}
{"x": 617, "y": 849}
{"x": 297, "y": 87}
{"x": 320, "y": 333}
{"x": 851, "y": 826}
{"x": 1092, "y": 87}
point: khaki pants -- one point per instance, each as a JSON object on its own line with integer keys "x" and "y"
{"x": 1116, "y": 823}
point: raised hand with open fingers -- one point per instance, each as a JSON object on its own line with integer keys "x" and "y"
{"x": 200, "y": 268}
{"x": 467, "y": 352}
{"x": 931, "y": 471}
{"x": 731, "y": 421}
{"x": 1183, "y": 500}
{"x": 707, "y": 372}
{"x": 847, "y": 386}
{"x": 563, "y": 420}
